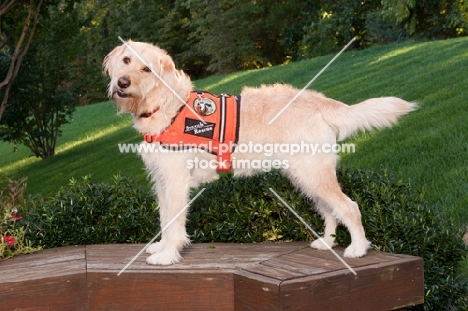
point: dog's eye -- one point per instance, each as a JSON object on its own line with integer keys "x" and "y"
{"x": 126, "y": 60}
{"x": 146, "y": 69}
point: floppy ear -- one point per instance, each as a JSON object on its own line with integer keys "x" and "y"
{"x": 109, "y": 60}
{"x": 167, "y": 65}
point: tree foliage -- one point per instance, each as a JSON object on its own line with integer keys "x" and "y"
{"x": 428, "y": 18}
{"x": 211, "y": 36}
{"x": 42, "y": 96}
{"x": 16, "y": 50}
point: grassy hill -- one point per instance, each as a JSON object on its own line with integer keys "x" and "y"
{"x": 428, "y": 148}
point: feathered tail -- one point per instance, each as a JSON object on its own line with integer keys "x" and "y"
{"x": 372, "y": 113}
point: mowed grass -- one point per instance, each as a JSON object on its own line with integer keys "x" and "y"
{"x": 88, "y": 146}
{"x": 428, "y": 148}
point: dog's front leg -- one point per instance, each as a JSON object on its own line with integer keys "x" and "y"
{"x": 172, "y": 187}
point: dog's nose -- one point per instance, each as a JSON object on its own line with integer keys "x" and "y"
{"x": 123, "y": 82}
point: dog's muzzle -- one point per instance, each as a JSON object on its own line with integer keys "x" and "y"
{"x": 123, "y": 83}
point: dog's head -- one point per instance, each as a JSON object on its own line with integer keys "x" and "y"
{"x": 145, "y": 83}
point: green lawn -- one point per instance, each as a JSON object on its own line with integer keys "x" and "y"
{"x": 428, "y": 148}
{"x": 88, "y": 147}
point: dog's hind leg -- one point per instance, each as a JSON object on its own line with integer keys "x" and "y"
{"x": 318, "y": 181}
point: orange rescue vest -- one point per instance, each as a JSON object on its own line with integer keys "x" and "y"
{"x": 206, "y": 122}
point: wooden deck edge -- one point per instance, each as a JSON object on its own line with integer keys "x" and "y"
{"x": 384, "y": 286}
{"x": 52, "y": 279}
{"x": 64, "y": 278}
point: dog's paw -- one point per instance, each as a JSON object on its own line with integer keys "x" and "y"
{"x": 323, "y": 243}
{"x": 154, "y": 248}
{"x": 357, "y": 249}
{"x": 164, "y": 258}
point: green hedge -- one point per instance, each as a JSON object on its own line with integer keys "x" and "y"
{"x": 88, "y": 213}
{"x": 12, "y": 230}
{"x": 395, "y": 217}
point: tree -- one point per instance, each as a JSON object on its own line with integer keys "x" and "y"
{"x": 429, "y": 18}
{"x": 38, "y": 108}
{"x": 42, "y": 96}
{"x": 246, "y": 34}
{"x": 21, "y": 47}
{"x": 214, "y": 36}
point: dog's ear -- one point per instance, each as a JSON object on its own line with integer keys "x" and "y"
{"x": 167, "y": 65}
{"x": 109, "y": 60}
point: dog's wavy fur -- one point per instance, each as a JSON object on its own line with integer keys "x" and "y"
{"x": 312, "y": 118}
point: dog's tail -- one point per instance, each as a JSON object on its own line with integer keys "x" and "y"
{"x": 372, "y": 113}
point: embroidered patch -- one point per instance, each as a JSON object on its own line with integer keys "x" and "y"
{"x": 204, "y": 106}
{"x": 198, "y": 128}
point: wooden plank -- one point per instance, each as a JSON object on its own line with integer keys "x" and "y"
{"x": 173, "y": 290}
{"x": 298, "y": 267}
{"x": 279, "y": 273}
{"x": 331, "y": 288}
{"x": 41, "y": 258}
{"x": 254, "y": 292}
{"x": 58, "y": 293}
{"x": 385, "y": 286}
{"x": 309, "y": 262}
{"x": 26, "y": 274}
{"x": 372, "y": 256}
{"x": 52, "y": 279}
{"x": 204, "y": 256}
{"x": 203, "y": 280}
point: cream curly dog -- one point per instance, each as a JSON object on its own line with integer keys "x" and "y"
{"x": 145, "y": 83}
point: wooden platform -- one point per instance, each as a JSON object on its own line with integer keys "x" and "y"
{"x": 275, "y": 276}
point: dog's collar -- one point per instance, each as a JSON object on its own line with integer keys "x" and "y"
{"x": 148, "y": 114}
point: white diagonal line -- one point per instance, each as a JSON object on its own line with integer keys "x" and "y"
{"x": 150, "y": 66}
{"x": 312, "y": 230}
{"x": 310, "y": 82}
{"x": 161, "y": 231}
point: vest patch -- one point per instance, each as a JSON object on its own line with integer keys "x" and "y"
{"x": 198, "y": 128}
{"x": 204, "y": 106}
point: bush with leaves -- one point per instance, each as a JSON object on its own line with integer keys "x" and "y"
{"x": 395, "y": 217}
{"x": 12, "y": 233}
{"x": 88, "y": 213}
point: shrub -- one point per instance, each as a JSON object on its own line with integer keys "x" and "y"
{"x": 87, "y": 213}
{"x": 244, "y": 210}
{"x": 12, "y": 235}
{"x": 395, "y": 217}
